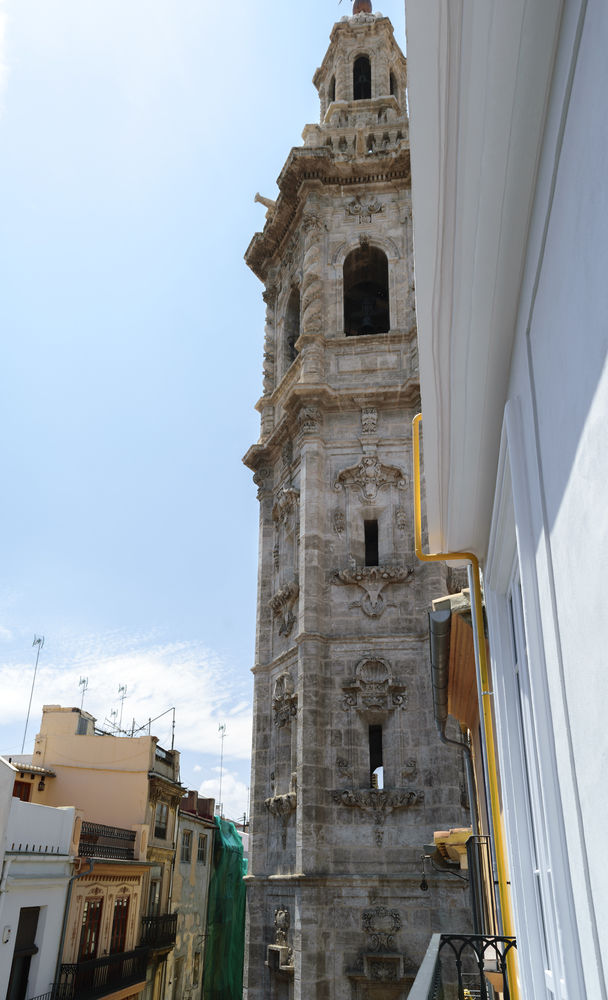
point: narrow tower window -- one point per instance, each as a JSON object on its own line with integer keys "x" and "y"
{"x": 371, "y": 542}
{"x": 292, "y": 326}
{"x": 393, "y": 89}
{"x": 362, "y": 79}
{"x": 376, "y": 768}
{"x": 331, "y": 93}
{"x": 366, "y": 305}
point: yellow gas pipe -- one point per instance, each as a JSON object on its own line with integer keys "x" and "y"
{"x": 486, "y": 693}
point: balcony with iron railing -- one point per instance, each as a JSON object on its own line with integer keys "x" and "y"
{"x": 99, "y": 977}
{"x": 469, "y": 966}
{"x": 109, "y": 842}
{"x": 159, "y": 932}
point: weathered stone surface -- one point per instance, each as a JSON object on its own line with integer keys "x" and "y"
{"x": 335, "y": 909}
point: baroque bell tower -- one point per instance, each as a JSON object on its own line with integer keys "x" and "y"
{"x": 349, "y": 780}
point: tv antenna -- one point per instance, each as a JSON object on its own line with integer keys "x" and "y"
{"x": 39, "y": 642}
{"x": 222, "y": 731}
{"x": 122, "y": 694}
{"x": 84, "y": 684}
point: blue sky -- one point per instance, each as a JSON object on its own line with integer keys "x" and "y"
{"x": 133, "y": 137}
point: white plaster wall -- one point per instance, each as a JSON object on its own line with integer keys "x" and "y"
{"x": 559, "y": 375}
{"x": 39, "y": 882}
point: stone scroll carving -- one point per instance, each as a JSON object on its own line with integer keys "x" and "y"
{"x": 286, "y": 504}
{"x": 380, "y": 802}
{"x": 381, "y": 924}
{"x": 282, "y": 806}
{"x": 373, "y": 687}
{"x": 282, "y": 604}
{"x": 372, "y": 580}
{"x": 370, "y": 476}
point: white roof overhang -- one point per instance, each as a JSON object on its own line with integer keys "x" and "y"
{"x": 479, "y": 76}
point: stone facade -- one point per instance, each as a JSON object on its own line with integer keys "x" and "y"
{"x": 342, "y": 686}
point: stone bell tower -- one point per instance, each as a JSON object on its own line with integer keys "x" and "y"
{"x": 349, "y": 780}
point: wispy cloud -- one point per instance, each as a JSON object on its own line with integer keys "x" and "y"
{"x": 158, "y": 676}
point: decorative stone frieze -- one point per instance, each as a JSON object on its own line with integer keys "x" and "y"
{"x": 381, "y": 924}
{"x": 369, "y": 477}
{"x": 380, "y": 802}
{"x": 372, "y": 580}
{"x": 369, "y": 419}
{"x": 363, "y": 209}
{"x": 309, "y": 419}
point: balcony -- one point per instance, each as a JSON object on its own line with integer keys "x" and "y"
{"x": 100, "y": 977}
{"x": 159, "y": 932}
{"x": 111, "y": 842}
{"x": 464, "y": 966}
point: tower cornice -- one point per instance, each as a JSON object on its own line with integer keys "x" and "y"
{"x": 321, "y": 165}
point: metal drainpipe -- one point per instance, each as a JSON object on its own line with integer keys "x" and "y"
{"x": 486, "y": 693}
{"x": 64, "y": 925}
{"x": 439, "y": 636}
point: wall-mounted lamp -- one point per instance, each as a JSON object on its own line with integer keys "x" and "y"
{"x": 41, "y": 784}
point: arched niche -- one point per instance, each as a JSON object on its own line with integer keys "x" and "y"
{"x": 362, "y": 79}
{"x": 366, "y": 292}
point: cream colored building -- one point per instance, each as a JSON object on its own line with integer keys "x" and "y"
{"x": 127, "y": 791}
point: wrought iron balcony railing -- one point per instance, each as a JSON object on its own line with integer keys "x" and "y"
{"x": 159, "y": 932}
{"x": 100, "y": 841}
{"x": 100, "y": 976}
{"x": 468, "y": 966}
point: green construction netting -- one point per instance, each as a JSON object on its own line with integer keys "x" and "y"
{"x": 225, "y": 946}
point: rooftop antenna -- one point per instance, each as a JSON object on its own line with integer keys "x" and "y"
{"x": 222, "y": 731}
{"x": 39, "y": 642}
{"x": 113, "y": 715}
{"x": 84, "y": 684}
{"x": 122, "y": 694}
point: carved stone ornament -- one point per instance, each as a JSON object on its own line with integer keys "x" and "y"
{"x": 401, "y": 519}
{"x": 381, "y": 924}
{"x": 369, "y": 419}
{"x": 282, "y": 922}
{"x": 344, "y": 769}
{"x": 379, "y": 802}
{"x": 284, "y": 701}
{"x": 372, "y": 580}
{"x": 309, "y": 419}
{"x": 282, "y": 606}
{"x": 363, "y": 210}
{"x": 286, "y": 504}
{"x": 279, "y": 955}
{"x": 282, "y": 806}
{"x": 262, "y": 479}
{"x": 287, "y": 454}
{"x": 373, "y": 687}
{"x": 370, "y": 476}
{"x": 339, "y": 521}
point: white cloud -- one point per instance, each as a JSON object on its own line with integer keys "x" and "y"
{"x": 235, "y": 793}
{"x": 158, "y": 676}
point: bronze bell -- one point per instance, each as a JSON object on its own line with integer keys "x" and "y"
{"x": 362, "y": 7}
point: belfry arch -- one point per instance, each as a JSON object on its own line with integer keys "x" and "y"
{"x": 366, "y": 292}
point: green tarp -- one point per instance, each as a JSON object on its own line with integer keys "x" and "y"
{"x": 225, "y": 946}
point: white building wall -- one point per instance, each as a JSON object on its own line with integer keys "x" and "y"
{"x": 35, "y": 871}
{"x": 559, "y": 384}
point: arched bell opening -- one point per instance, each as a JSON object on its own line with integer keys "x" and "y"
{"x": 331, "y": 92}
{"x": 362, "y": 79}
{"x": 366, "y": 301}
{"x": 292, "y": 326}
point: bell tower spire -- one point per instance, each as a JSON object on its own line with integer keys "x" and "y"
{"x": 348, "y": 780}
